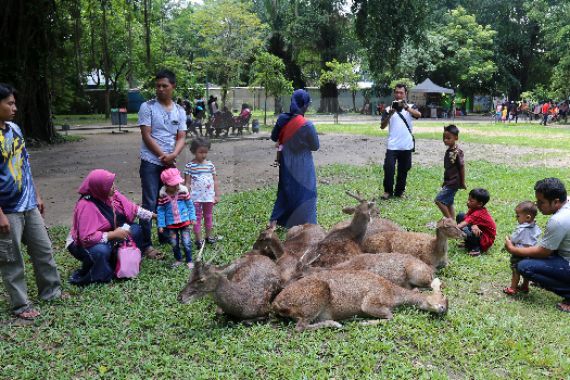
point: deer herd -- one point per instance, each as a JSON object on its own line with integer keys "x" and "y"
{"x": 363, "y": 267}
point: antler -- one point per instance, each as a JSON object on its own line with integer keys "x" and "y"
{"x": 199, "y": 257}
{"x": 357, "y": 197}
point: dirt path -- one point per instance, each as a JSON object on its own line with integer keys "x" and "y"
{"x": 241, "y": 164}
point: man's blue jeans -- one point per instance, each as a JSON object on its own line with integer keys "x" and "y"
{"x": 552, "y": 273}
{"x": 150, "y": 184}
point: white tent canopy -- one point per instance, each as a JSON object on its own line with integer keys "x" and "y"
{"x": 427, "y": 86}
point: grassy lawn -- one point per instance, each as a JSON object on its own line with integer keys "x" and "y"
{"x": 529, "y": 135}
{"x": 136, "y": 329}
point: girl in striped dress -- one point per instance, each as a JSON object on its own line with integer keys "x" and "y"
{"x": 201, "y": 179}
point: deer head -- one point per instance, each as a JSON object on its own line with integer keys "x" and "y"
{"x": 436, "y": 302}
{"x": 361, "y": 213}
{"x": 449, "y": 228}
{"x": 268, "y": 244}
{"x": 204, "y": 279}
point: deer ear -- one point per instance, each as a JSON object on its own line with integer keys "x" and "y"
{"x": 349, "y": 210}
{"x": 436, "y": 285}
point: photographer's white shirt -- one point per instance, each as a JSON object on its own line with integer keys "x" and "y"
{"x": 399, "y": 138}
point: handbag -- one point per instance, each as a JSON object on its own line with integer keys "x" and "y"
{"x": 409, "y": 130}
{"x": 128, "y": 260}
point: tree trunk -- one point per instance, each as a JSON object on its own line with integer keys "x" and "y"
{"x": 130, "y": 79}
{"x": 354, "y": 101}
{"x": 77, "y": 45}
{"x": 26, "y": 48}
{"x": 106, "y": 63}
{"x": 329, "y": 98}
{"x": 265, "y": 109}
{"x": 147, "y": 9}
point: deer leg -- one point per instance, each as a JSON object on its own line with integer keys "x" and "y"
{"x": 323, "y": 324}
{"x": 373, "y": 306}
{"x": 372, "y": 322}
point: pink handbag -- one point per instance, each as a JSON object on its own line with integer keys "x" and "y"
{"x": 128, "y": 260}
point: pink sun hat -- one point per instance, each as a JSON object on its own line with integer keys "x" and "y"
{"x": 171, "y": 177}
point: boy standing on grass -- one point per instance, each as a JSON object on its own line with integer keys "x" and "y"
{"x": 453, "y": 174}
{"x": 477, "y": 223}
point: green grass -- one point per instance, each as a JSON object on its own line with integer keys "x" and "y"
{"x": 136, "y": 329}
{"x": 92, "y": 119}
{"x": 527, "y": 135}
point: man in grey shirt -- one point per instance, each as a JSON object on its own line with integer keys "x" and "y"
{"x": 163, "y": 129}
{"x": 548, "y": 263}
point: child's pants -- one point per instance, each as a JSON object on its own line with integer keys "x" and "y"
{"x": 205, "y": 209}
{"x": 174, "y": 237}
{"x": 472, "y": 242}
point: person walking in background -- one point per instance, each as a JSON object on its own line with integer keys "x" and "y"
{"x": 163, "y": 129}
{"x": 400, "y": 143}
{"x": 296, "y": 138}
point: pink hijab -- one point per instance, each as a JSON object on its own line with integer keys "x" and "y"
{"x": 88, "y": 222}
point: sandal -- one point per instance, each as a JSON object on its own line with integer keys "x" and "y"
{"x": 563, "y": 306}
{"x": 510, "y": 291}
{"x": 385, "y": 196}
{"x": 153, "y": 253}
{"x": 474, "y": 253}
{"x": 29, "y": 314}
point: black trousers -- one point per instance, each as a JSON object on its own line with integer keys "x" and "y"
{"x": 404, "y": 160}
{"x": 472, "y": 242}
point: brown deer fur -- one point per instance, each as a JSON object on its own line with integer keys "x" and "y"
{"x": 243, "y": 290}
{"x": 430, "y": 249}
{"x": 403, "y": 270}
{"x": 321, "y": 299}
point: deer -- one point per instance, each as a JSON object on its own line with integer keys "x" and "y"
{"x": 402, "y": 269}
{"x": 432, "y": 250}
{"x": 376, "y": 224}
{"x": 243, "y": 290}
{"x": 343, "y": 243}
{"x": 324, "y": 298}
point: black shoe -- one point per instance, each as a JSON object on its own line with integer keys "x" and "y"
{"x": 211, "y": 240}
{"x": 199, "y": 244}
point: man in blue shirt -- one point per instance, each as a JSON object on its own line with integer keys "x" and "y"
{"x": 163, "y": 129}
{"x": 21, "y": 209}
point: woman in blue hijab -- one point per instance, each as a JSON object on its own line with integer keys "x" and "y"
{"x": 296, "y": 201}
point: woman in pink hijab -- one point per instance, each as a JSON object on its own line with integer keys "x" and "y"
{"x": 102, "y": 218}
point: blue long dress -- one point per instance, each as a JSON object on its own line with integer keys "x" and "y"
{"x": 296, "y": 201}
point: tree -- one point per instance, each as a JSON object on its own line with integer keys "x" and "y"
{"x": 228, "y": 34}
{"x": 27, "y": 45}
{"x": 467, "y": 60}
{"x": 384, "y": 26}
{"x": 268, "y": 72}
{"x": 343, "y": 75}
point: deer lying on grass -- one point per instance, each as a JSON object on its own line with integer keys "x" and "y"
{"x": 321, "y": 299}
{"x": 431, "y": 250}
{"x": 289, "y": 264}
{"x": 341, "y": 244}
{"x": 243, "y": 290}
{"x": 303, "y": 238}
{"x": 376, "y": 224}
{"x": 403, "y": 270}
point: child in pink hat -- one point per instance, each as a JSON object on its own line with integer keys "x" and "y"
{"x": 176, "y": 214}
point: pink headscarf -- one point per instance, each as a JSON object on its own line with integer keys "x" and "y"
{"x": 98, "y": 184}
{"x": 88, "y": 222}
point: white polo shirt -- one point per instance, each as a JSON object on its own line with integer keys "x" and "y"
{"x": 399, "y": 138}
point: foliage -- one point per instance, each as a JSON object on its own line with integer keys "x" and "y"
{"x": 384, "y": 27}
{"x": 407, "y": 81}
{"x": 467, "y": 61}
{"x": 268, "y": 72}
{"x": 228, "y": 34}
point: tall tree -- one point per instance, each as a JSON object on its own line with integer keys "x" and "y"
{"x": 27, "y": 44}
{"x": 268, "y": 72}
{"x": 228, "y": 34}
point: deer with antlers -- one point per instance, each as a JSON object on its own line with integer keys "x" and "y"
{"x": 243, "y": 290}
{"x": 341, "y": 244}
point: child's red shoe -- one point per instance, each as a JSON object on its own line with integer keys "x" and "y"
{"x": 510, "y": 291}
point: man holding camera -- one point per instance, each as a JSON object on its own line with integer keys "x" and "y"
{"x": 401, "y": 142}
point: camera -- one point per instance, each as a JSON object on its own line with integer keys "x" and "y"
{"x": 397, "y": 105}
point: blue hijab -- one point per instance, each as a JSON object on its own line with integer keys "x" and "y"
{"x": 299, "y": 99}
